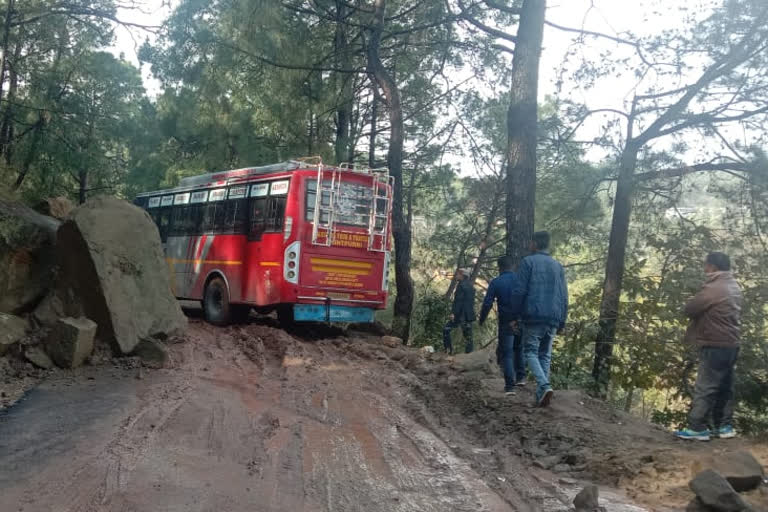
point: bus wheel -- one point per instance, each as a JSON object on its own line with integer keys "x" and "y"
{"x": 216, "y": 302}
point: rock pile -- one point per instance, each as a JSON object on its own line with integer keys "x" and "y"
{"x": 98, "y": 277}
{"x": 719, "y": 481}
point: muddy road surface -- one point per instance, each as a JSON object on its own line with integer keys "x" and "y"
{"x": 251, "y": 418}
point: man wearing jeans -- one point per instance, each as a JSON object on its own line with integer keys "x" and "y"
{"x": 715, "y": 314}
{"x": 544, "y": 296}
{"x": 503, "y": 290}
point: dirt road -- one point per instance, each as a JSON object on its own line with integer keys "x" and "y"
{"x": 254, "y": 419}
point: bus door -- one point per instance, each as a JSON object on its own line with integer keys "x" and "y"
{"x": 266, "y": 242}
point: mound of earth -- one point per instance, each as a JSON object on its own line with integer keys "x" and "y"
{"x": 577, "y": 437}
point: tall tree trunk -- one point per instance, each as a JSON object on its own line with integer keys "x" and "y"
{"x": 6, "y": 128}
{"x": 37, "y": 134}
{"x": 401, "y": 229}
{"x": 6, "y": 40}
{"x": 344, "y": 89}
{"x": 374, "y": 124}
{"x": 83, "y": 186}
{"x": 614, "y": 268}
{"x": 522, "y": 127}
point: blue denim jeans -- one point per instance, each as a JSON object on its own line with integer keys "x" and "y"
{"x": 511, "y": 355}
{"x": 537, "y": 347}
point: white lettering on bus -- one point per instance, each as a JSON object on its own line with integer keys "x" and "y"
{"x": 167, "y": 201}
{"x": 154, "y": 202}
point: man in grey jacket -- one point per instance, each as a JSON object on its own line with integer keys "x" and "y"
{"x": 715, "y": 314}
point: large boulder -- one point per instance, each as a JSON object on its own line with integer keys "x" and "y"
{"x": 111, "y": 259}
{"x": 27, "y": 241}
{"x": 56, "y": 207}
{"x": 70, "y": 344}
{"x": 715, "y": 492}
{"x": 741, "y": 469}
{"x": 12, "y": 330}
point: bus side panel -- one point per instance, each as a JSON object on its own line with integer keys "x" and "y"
{"x": 225, "y": 255}
{"x": 177, "y": 258}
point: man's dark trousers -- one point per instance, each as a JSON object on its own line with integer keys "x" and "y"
{"x": 713, "y": 396}
{"x": 466, "y": 331}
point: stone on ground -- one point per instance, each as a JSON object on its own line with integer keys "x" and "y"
{"x": 715, "y": 492}
{"x": 152, "y": 352}
{"x": 111, "y": 258}
{"x": 38, "y": 357}
{"x": 480, "y": 360}
{"x": 12, "y": 330}
{"x": 27, "y": 241}
{"x": 71, "y": 342}
{"x": 741, "y": 469}
{"x": 392, "y": 341}
{"x": 588, "y": 499}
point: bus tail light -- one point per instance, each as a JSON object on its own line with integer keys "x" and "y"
{"x": 291, "y": 266}
{"x": 288, "y": 228}
{"x": 385, "y": 278}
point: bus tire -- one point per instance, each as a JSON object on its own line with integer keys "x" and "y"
{"x": 216, "y": 306}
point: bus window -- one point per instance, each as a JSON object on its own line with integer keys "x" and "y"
{"x": 275, "y": 214}
{"x": 257, "y": 219}
{"x": 165, "y": 223}
{"x": 352, "y": 205}
{"x": 236, "y": 217}
{"x": 186, "y": 220}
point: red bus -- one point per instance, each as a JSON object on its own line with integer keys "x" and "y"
{"x": 310, "y": 241}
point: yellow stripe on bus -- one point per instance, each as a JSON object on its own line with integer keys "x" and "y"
{"x": 342, "y": 263}
{"x": 269, "y": 263}
{"x": 207, "y": 262}
{"x": 337, "y": 270}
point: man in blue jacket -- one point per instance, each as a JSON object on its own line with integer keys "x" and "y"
{"x": 462, "y": 312}
{"x": 504, "y": 290}
{"x": 544, "y": 298}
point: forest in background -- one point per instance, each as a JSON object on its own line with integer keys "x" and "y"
{"x": 444, "y": 93}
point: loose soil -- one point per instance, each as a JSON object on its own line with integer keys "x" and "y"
{"x": 253, "y": 418}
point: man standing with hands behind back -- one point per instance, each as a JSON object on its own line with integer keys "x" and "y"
{"x": 544, "y": 296}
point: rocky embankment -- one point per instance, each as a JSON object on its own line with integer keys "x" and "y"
{"x": 79, "y": 286}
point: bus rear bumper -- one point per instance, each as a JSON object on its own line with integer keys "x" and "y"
{"x": 332, "y": 313}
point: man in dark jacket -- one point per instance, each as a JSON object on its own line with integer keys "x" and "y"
{"x": 462, "y": 313}
{"x": 715, "y": 314}
{"x": 544, "y": 298}
{"x": 503, "y": 290}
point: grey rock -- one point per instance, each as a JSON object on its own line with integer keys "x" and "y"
{"x": 12, "y": 330}
{"x": 71, "y": 342}
{"x": 741, "y": 469}
{"x": 152, "y": 352}
{"x": 27, "y": 257}
{"x": 562, "y": 468}
{"x": 110, "y": 256}
{"x": 714, "y": 491}
{"x": 588, "y": 499}
{"x": 38, "y": 357}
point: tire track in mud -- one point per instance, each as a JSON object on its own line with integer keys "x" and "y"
{"x": 252, "y": 418}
